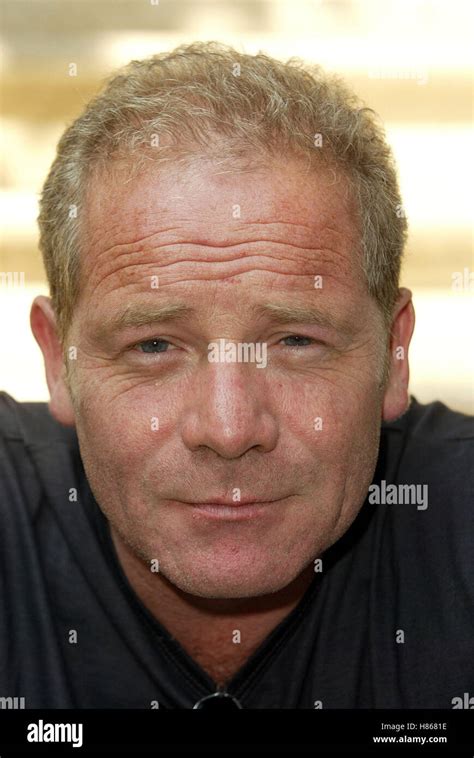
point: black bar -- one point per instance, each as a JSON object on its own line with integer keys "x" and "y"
{"x": 138, "y": 732}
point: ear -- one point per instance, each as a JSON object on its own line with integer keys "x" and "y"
{"x": 43, "y": 326}
{"x": 396, "y": 397}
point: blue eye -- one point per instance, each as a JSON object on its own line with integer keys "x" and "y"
{"x": 298, "y": 337}
{"x": 156, "y": 345}
{"x": 153, "y": 346}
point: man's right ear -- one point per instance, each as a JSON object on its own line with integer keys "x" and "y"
{"x": 43, "y": 326}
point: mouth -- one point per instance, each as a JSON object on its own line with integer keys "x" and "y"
{"x": 235, "y": 511}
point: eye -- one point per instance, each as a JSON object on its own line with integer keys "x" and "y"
{"x": 153, "y": 346}
{"x": 299, "y": 339}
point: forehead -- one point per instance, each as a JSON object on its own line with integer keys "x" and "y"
{"x": 203, "y": 227}
{"x": 214, "y": 205}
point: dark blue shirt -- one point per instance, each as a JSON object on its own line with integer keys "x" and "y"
{"x": 387, "y": 623}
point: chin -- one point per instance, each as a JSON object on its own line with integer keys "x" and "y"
{"x": 234, "y": 586}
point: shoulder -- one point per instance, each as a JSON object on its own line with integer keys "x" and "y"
{"x": 434, "y": 421}
{"x": 30, "y": 424}
{"x": 428, "y": 461}
{"x": 433, "y": 443}
{"x": 34, "y": 452}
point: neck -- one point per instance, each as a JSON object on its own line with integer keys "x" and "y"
{"x": 219, "y": 634}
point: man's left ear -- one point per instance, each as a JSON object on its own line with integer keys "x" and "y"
{"x": 396, "y": 397}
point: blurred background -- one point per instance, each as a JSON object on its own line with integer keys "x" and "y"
{"x": 410, "y": 60}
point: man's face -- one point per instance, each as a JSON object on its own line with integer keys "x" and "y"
{"x": 160, "y": 426}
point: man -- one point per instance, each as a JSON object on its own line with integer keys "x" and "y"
{"x": 230, "y": 498}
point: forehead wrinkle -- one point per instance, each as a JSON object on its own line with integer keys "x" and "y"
{"x": 137, "y": 204}
{"x": 120, "y": 256}
{"x": 314, "y": 228}
{"x": 183, "y": 271}
{"x": 304, "y": 255}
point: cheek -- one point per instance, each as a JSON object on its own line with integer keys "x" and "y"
{"x": 329, "y": 412}
{"x": 336, "y": 431}
{"x": 120, "y": 426}
{"x": 122, "y": 438}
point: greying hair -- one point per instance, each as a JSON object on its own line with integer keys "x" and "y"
{"x": 208, "y": 99}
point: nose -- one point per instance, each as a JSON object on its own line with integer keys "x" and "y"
{"x": 228, "y": 410}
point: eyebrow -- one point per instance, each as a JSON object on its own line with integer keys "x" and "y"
{"x": 144, "y": 315}
{"x": 284, "y": 314}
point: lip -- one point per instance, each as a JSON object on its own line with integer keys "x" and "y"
{"x": 238, "y": 511}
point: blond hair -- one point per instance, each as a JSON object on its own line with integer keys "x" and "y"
{"x": 208, "y": 99}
